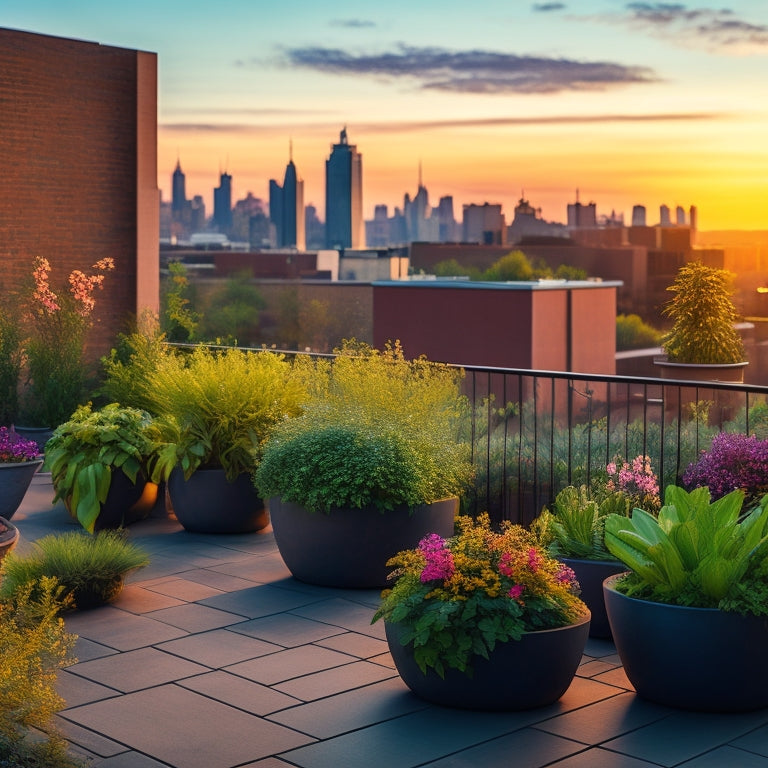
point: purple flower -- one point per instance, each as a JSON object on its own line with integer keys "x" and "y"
{"x": 15, "y": 449}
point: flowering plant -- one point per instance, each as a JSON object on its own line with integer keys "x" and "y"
{"x": 15, "y": 449}
{"x": 55, "y": 347}
{"x": 733, "y": 461}
{"x": 636, "y": 479}
{"x": 456, "y": 598}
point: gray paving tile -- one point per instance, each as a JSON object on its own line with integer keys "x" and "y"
{"x": 603, "y": 758}
{"x": 194, "y": 617}
{"x": 330, "y": 681}
{"x": 91, "y": 740}
{"x": 244, "y": 694}
{"x": 755, "y": 741}
{"x": 344, "y": 613}
{"x": 264, "y": 569}
{"x": 76, "y": 690}
{"x": 185, "y": 729}
{"x": 352, "y": 710}
{"x": 137, "y": 599}
{"x": 222, "y": 582}
{"x": 86, "y": 649}
{"x": 728, "y": 757}
{"x": 599, "y": 648}
{"x": 289, "y": 664}
{"x": 255, "y": 602}
{"x": 363, "y": 646}
{"x": 119, "y": 629}
{"x": 615, "y": 677}
{"x": 218, "y": 648}
{"x": 531, "y": 749}
{"x": 287, "y": 630}
{"x": 130, "y": 760}
{"x": 604, "y": 720}
{"x": 684, "y": 735}
{"x": 184, "y": 589}
{"x": 593, "y": 668}
{"x": 137, "y": 669}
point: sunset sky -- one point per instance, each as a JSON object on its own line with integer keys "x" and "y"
{"x": 630, "y": 103}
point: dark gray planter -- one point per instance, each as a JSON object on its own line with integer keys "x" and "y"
{"x": 349, "y": 548}
{"x": 519, "y": 674}
{"x": 15, "y": 478}
{"x": 591, "y": 574}
{"x": 699, "y": 659}
{"x": 209, "y": 503}
{"x": 126, "y": 502}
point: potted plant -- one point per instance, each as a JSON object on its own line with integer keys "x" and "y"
{"x": 216, "y": 411}
{"x": 104, "y": 464}
{"x": 91, "y": 570}
{"x": 574, "y": 529}
{"x": 19, "y": 460}
{"x": 10, "y": 363}
{"x": 703, "y": 343}
{"x": 484, "y": 619}
{"x": 375, "y": 458}
{"x": 689, "y": 619}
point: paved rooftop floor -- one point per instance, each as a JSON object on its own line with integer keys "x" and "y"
{"x": 215, "y": 657}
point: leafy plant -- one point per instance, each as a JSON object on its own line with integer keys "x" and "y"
{"x": 703, "y": 315}
{"x": 33, "y": 647}
{"x": 10, "y": 364}
{"x": 457, "y": 597}
{"x": 218, "y": 408}
{"x": 89, "y": 569}
{"x": 85, "y": 451}
{"x": 697, "y": 552}
{"x": 377, "y": 428}
{"x": 633, "y": 333}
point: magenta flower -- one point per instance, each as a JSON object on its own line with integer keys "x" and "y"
{"x": 516, "y": 591}
{"x": 439, "y": 558}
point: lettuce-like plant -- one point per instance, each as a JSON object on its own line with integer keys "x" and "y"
{"x": 697, "y": 552}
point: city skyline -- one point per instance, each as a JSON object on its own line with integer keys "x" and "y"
{"x": 631, "y": 103}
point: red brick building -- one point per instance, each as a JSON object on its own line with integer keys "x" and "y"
{"x": 78, "y": 169}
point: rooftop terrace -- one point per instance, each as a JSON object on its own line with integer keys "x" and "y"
{"x": 215, "y": 657}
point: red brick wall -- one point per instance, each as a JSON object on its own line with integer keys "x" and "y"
{"x": 69, "y": 161}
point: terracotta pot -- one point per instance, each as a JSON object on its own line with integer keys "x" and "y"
{"x": 519, "y": 674}
{"x": 349, "y": 548}
{"x": 9, "y": 536}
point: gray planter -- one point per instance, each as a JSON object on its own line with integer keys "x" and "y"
{"x": 591, "y": 574}
{"x": 15, "y": 478}
{"x": 691, "y": 658}
{"x": 349, "y": 548}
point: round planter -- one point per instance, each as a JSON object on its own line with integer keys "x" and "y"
{"x": 591, "y": 574}
{"x": 15, "y": 478}
{"x": 349, "y": 548}
{"x": 519, "y": 674}
{"x": 208, "y": 503}
{"x": 126, "y": 502}
{"x": 699, "y": 659}
{"x": 41, "y": 435}
{"x": 9, "y": 536}
{"x": 731, "y": 372}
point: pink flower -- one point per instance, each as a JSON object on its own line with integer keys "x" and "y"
{"x": 516, "y": 591}
{"x": 534, "y": 559}
{"x": 439, "y": 559}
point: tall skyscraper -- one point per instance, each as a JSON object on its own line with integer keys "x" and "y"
{"x": 222, "y": 204}
{"x": 638, "y": 216}
{"x": 178, "y": 190}
{"x": 286, "y": 208}
{"x": 344, "y": 196}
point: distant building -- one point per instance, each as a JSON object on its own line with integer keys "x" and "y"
{"x": 178, "y": 189}
{"x": 222, "y": 204}
{"x": 314, "y": 229}
{"x": 528, "y": 223}
{"x": 582, "y": 216}
{"x": 638, "y": 216}
{"x": 344, "y": 196}
{"x": 286, "y": 209}
{"x": 680, "y": 216}
{"x": 664, "y": 218}
{"x": 484, "y": 224}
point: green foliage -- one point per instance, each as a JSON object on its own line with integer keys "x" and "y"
{"x": 703, "y": 314}
{"x": 452, "y": 268}
{"x": 83, "y": 453}
{"x": 10, "y": 365}
{"x": 376, "y": 427}
{"x": 697, "y": 552}
{"x": 232, "y": 311}
{"x": 633, "y": 333}
{"x": 513, "y": 266}
{"x": 575, "y": 527}
{"x": 180, "y": 321}
{"x": 456, "y": 598}
{"x": 568, "y": 272}
{"x": 87, "y": 568}
{"x": 33, "y": 647}
{"x": 218, "y": 408}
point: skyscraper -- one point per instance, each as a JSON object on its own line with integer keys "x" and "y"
{"x": 286, "y": 208}
{"x": 344, "y": 196}
{"x": 222, "y": 204}
{"x": 178, "y": 190}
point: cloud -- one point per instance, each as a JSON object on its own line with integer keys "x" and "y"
{"x": 548, "y": 7}
{"x": 353, "y": 23}
{"x": 718, "y": 29}
{"x": 473, "y": 71}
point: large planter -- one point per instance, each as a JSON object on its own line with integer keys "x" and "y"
{"x": 591, "y": 574}
{"x": 692, "y": 658}
{"x": 519, "y": 674}
{"x": 41, "y": 435}
{"x": 729, "y": 372}
{"x": 15, "y": 478}
{"x": 349, "y": 548}
{"x": 9, "y": 535}
{"x": 209, "y": 503}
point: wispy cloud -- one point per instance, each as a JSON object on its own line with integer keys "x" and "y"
{"x": 717, "y": 29}
{"x": 548, "y": 7}
{"x": 353, "y": 23}
{"x": 473, "y": 71}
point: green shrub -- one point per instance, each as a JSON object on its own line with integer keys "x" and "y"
{"x": 89, "y": 569}
{"x": 633, "y": 333}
